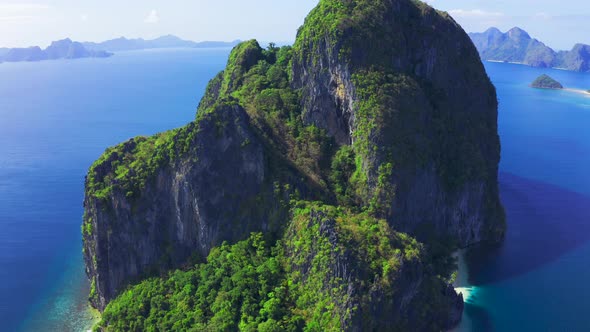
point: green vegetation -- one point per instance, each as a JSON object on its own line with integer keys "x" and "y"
{"x": 87, "y": 227}
{"x": 262, "y": 284}
{"x": 546, "y": 82}
{"x": 242, "y": 286}
{"x": 92, "y": 293}
{"x": 255, "y": 79}
{"x": 129, "y": 165}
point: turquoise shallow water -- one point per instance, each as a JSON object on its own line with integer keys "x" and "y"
{"x": 56, "y": 117}
{"x": 537, "y": 280}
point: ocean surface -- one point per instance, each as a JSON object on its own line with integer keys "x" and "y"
{"x": 538, "y": 279}
{"x": 57, "y": 117}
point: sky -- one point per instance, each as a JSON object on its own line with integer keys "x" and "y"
{"x": 560, "y": 24}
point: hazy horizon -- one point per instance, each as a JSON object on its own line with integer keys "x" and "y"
{"x": 40, "y": 22}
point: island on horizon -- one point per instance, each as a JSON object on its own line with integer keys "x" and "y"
{"x": 68, "y": 49}
{"x": 168, "y": 41}
{"x": 517, "y": 46}
{"x": 61, "y": 49}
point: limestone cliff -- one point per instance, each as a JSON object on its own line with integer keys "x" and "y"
{"x": 382, "y": 108}
{"x": 210, "y": 183}
{"x": 404, "y": 84}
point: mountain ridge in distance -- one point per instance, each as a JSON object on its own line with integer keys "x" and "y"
{"x": 68, "y": 49}
{"x": 167, "y": 41}
{"x": 60, "y": 49}
{"x": 516, "y": 45}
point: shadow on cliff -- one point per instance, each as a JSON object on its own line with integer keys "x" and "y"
{"x": 544, "y": 223}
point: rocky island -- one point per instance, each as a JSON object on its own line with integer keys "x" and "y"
{"x": 321, "y": 186}
{"x": 546, "y": 82}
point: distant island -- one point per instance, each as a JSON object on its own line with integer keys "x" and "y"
{"x": 61, "y": 49}
{"x": 517, "y": 46}
{"x": 546, "y": 82}
{"x": 168, "y": 41}
{"x": 68, "y": 49}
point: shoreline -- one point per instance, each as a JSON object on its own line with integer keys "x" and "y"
{"x": 511, "y": 62}
{"x": 580, "y": 91}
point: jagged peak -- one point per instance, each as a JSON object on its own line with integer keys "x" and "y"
{"x": 493, "y": 30}
{"x": 580, "y": 46}
{"x": 62, "y": 41}
{"x": 517, "y": 32}
{"x": 169, "y": 37}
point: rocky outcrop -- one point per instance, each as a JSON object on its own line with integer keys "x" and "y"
{"x": 382, "y": 107}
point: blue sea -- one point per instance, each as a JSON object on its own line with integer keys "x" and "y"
{"x": 538, "y": 279}
{"x": 57, "y": 117}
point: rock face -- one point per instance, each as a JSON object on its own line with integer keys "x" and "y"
{"x": 413, "y": 141}
{"x": 381, "y": 107}
{"x": 516, "y": 45}
{"x": 546, "y": 82}
{"x": 187, "y": 206}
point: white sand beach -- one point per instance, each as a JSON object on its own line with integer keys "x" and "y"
{"x": 584, "y": 92}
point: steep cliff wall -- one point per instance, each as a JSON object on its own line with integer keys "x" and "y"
{"x": 404, "y": 84}
{"x": 209, "y": 183}
{"x": 382, "y": 108}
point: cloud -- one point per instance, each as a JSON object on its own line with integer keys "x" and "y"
{"x": 152, "y": 17}
{"x": 83, "y": 17}
{"x": 475, "y": 13}
{"x": 20, "y": 12}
